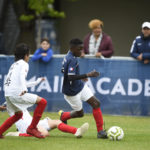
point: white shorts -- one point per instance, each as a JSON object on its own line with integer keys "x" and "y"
{"x": 22, "y": 125}
{"x": 76, "y": 101}
{"x": 20, "y": 103}
{"x": 44, "y": 123}
{"x": 26, "y": 120}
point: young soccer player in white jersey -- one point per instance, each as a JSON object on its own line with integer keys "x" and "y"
{"x": 15, "y": 89}
{"x": 46, "y": 125}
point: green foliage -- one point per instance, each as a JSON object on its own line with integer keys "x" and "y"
{"x": 136, "y": 131}
{"x": 26, "y": 17}
{"x": 40, "y": 8}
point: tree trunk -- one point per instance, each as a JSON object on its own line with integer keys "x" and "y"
{"x": 38, "y": 40}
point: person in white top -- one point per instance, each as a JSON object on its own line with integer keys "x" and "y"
{"x": 45, "y": 125}
{"x": 15, "y": 90}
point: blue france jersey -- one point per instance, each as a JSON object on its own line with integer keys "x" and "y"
{"x": 71, "y": 67}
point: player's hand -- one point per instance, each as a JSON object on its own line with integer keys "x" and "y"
{"x": 140, "y": 57}
{"x": 23, "y": 92}
{"x": 82, "y": 54}
{"x": 2, "y": 108}
{"x": 85, "y": 79}
{"x": 44, "y": 54}
{"x": 41, "y": 78}
{"x": 93, "y": 74}
{"x": 146, "y": 61}
{"x": 98, "y": 54}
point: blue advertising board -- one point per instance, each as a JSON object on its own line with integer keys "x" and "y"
{"x": 123, "y": 86}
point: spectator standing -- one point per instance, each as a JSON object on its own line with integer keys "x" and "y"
{"x": 43, "y": 53}
{"x": 140, "y": 49}
{"x": 97, "y": 43}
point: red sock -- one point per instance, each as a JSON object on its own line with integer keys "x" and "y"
{"x": 25, "y": 135}
{"x": 98, "y": 118}
{"x": 65, "y": 116}
{"x": 9, "y": 122}
{"x": 66, "y": 128}
{"x": 38, "y": 113}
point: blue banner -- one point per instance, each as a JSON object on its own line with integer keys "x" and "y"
{"x": 123, "y": 86}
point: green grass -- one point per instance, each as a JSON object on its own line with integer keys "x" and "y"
{"x": 136, "y": 129}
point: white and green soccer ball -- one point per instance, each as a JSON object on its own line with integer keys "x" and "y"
{"x": 115, "y": 133}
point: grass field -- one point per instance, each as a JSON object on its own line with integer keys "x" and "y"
{"x": 136, "y": 129}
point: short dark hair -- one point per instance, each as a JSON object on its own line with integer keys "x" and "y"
{"x": 21, "y": 50}
{"x": 45, "y": 39}
{"x": 75, "y": 42}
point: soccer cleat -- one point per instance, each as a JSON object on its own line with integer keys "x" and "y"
{"x": 80, "y": 131}
{"x": 102, "y": 134}
{"x": 1, "y": 136}
{"x": 35, "y": 132}
{"x": 12, "y": 134}
{"x": 60, "y": 113}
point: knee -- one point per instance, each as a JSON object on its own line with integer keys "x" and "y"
{"x": 96, "y": 104}
{"x": 80, "y": 114}
{"x": 43, "y": 102}
{"x": 19, "y": 115}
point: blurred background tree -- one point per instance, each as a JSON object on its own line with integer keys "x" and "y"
{"x": 39, "y": 9}
{"x": 22, "y": 20}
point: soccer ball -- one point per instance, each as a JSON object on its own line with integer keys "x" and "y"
{"x": 115, "y": 133}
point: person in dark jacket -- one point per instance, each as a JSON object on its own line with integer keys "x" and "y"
{"x": 140, "y": 49}
{"x": 44, "y": 53}
{"x": 97, "y": 43}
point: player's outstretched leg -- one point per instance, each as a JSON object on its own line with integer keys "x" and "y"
{"x": 78, "y": 132}
{"x": 32, "y": 129}
{"x": 9, "y": 122}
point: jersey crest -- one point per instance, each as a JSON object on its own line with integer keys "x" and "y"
{"x": 71, "y": 69}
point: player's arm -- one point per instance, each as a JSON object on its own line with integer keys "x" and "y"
{"x": 34, "y": 83}
{"x": 37, "y": 55}
{"x": 83, "y": 76}
{"x": 134, "y": 49}
{"x": 2, "y": 108}
{"x": 23, "y": 73}
{"x": 77, "y": 77}
{"x": 48, "y": 57}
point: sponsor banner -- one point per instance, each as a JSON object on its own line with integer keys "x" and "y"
{"x": 123, "y": 86}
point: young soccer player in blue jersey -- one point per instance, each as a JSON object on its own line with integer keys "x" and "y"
{"x": 75, "y": 90}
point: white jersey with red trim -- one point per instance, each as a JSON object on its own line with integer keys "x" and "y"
{"x": 26, "y": 120}
{"x": 15, "y": 82}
